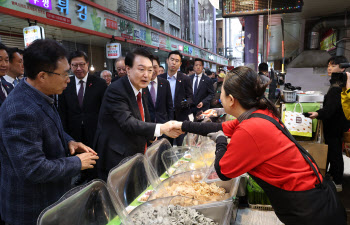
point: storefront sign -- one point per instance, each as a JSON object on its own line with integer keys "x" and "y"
{"x": 162, "y": 41}
{"x": 111, "y": 24}
{"x": 58, "y": 18}
{"x": 32, "y": 33}
{"x": 83, "y": 15}
{"x": 113, "y": 50}
{"x": 46, "y": 4}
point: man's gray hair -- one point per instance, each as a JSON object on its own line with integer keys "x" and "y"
{"x": 121, "y": 58}
{"x": 105, "y": 71}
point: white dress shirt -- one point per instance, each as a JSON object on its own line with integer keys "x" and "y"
{"x": 194, "y": 80}
{"x": 78, "y": 84}
{"x": 172, "y": 82}
{"x": 9, "y": 79}
{"x": 136, "y": 92}
{"x": 155, "y": 86}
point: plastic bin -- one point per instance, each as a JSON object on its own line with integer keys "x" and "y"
{"x": 129, "y": 180}
{"x": 154, "y": 155}
{"x": 182, "y": 159}
{"x": 289, "y": 96}
{"x": 84, "y": 205}
{"x": 219, "y": 212}
{"x": 230, "y": 186}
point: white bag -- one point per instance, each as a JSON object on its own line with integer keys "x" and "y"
{"x": 297, "y": 123}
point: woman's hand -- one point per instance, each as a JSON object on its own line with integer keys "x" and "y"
{"x": 214, "y": 136}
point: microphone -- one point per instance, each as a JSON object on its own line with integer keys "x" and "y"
{"x": 344, "y": 65}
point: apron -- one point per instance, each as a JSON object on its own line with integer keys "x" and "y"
{"x": 317, "y": 206}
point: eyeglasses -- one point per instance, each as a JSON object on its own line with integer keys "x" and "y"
{"x": 63, "y": 75}
{"x": 77, "y": 65}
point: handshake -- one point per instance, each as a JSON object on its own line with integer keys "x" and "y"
{"x": 171, "y": 129}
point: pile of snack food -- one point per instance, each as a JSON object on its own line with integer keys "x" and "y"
{"x": 196, "y": 190}
{"x": 171, "y": 215}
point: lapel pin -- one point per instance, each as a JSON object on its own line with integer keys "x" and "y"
{"x": 90, "y": 84}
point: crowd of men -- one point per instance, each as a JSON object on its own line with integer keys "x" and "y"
{"x": 57, "y": 127}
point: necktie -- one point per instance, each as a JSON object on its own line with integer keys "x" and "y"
{"x": 15, "y": 82}
{"x": 153, "y": 93}
{"x": 195, "y": 85}
{"x": 2, "y": 94}
{"x": 81, "y": 93}
{"x": 139, "y": 103}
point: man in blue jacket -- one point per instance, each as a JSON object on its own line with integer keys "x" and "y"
{"x": 37, "y": 161}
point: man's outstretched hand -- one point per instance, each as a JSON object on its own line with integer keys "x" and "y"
{"x": 171, "y": 129}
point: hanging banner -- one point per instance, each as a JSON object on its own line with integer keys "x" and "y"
{"x": 113, "y": 50}
{"x": 83, "y": 14}
{"x": 32, "y": 33}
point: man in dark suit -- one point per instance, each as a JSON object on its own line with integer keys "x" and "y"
{"x": 160, "y": 103}
{"x": 120, "y": 68}
{"x": 37, "y": 161}
{"x": 79, "y": 105}
{"x": 181, "y": 89}
{"x": 124, "y": 125}
{"x": 5, "y": 87}
{"x": 16, "y": 68}
{"x": 203, "y": 90}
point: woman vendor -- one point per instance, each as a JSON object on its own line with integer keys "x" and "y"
{"x": 290, "y": 178}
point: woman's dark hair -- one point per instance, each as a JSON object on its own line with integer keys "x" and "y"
{"x": 245, "y": 85}
{"x": 42, "y": 55}
{"x": 129, "y": 59}
{"x": 77, "y": 54}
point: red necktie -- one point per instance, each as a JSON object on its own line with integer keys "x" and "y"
{"x": 139, "y": 103}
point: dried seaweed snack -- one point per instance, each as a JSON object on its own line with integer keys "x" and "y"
{"x": 171, "y": 215}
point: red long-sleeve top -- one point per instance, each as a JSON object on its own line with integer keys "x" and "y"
{"x": 257, "y": 146}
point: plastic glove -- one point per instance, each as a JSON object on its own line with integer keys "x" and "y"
{"x": 184, "y": 104}
{"x": 214, "y": 136}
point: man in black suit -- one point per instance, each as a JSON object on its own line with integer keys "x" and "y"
{"x": 124, "y": 125}
{"x": 16, "y": 67}
{"x": 120, "y": 68}
{"x": 203, "y": 90}
{"x": 5, "y": 87}
{"x": 181, "y": 89}
{"x": 79, "y": 105}
{"x": 160, "y": 103}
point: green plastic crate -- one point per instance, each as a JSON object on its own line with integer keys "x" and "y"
{"x": 256, "y": 194}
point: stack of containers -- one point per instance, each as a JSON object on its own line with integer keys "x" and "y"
{"x": 136, "y": 180}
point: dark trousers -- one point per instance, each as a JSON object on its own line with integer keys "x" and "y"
{"x": 178, "y": 141}
{"x": 335, "y": 160}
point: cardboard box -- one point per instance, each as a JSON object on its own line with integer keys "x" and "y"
{"x": 347, "y": 149}
{"x": 347, "y": 137}
{"x": 318, "y": 152}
